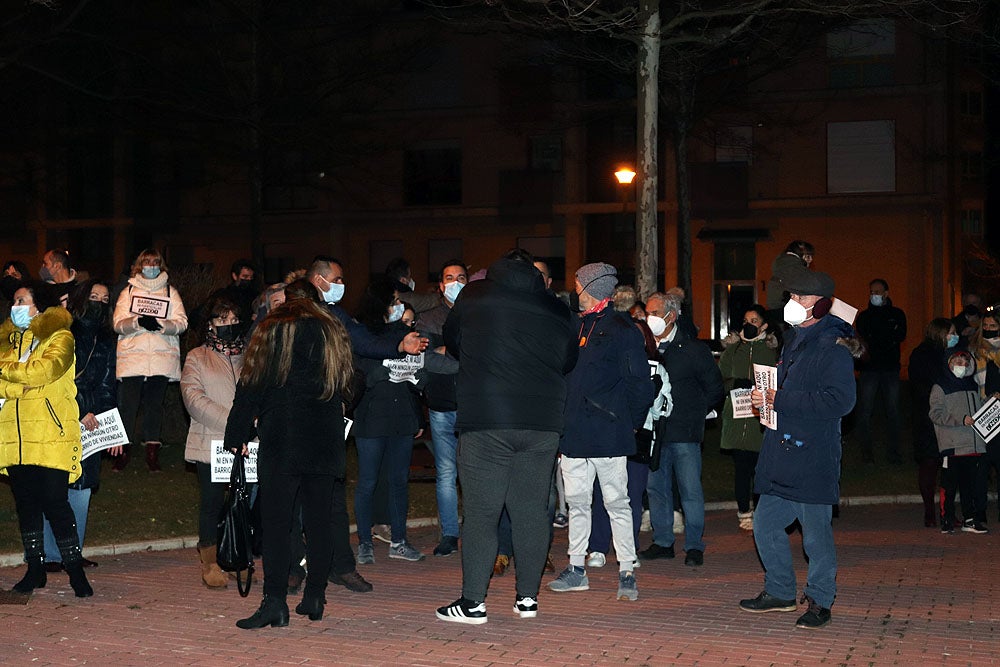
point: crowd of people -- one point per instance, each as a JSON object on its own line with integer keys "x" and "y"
{"x": 544, "y": 416}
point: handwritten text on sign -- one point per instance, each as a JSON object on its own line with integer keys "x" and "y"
{"x": 764, "y": 378}
{"x": 148, "y": 305}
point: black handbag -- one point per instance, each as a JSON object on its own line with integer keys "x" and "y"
{"x": 234, "y": 551}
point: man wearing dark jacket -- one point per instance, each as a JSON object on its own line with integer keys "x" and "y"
{"x": 882, "y": 327}
{"x": 515, "y": 342}
{"x": 798, "y": 472}
{"x": 609, "y": 394}
{"x": 441, "y": 409}
{"x": 695, "y": 388}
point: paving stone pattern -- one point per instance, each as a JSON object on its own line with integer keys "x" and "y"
{"x": 908, "y": 595}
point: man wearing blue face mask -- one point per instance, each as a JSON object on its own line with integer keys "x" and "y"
{"x": 882, "y": 326}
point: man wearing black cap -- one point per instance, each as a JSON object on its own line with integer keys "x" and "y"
{"x": 608, "y": 396}
{"x": 798, "y": 473}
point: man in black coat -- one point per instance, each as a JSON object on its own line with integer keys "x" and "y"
{"x": 695, "y": 389}
{"x": 882, "y": 327}
{"x": 515, "y": 342}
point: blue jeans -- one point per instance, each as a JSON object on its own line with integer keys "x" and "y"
{"x": 682, "y": 459}
{"x": 772, "y": 516}
{"x": 869, "y": 383}
{"x": 445, "y": 447}
{"x": 397, "y": 451}
{"x": 79, "y": 500}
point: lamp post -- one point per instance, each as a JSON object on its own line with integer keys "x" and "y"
{"x": 625, "y": 176}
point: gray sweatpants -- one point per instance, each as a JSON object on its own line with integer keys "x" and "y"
{"x": 513, "y": 468}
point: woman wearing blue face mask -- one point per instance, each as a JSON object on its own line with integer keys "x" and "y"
{"x": 40, "y": 429}
{"x": 386, "y": 420}
{"x": 927, "y": 363}
{"x": 149, "y": 319}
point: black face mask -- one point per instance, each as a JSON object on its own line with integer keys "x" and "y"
{"x": 750, "y": 331}
{"x": 97, "y": 311}
{"x": 990, "y": 334}
{"x": 244, "y": 284}
{"x": 227, "y": 332}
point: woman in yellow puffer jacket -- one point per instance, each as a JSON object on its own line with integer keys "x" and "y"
{"x": 40, "y": 429}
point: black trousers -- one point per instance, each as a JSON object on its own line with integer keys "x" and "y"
{"x": 961, "y": 475}
{"x": 213, "y": 494}
{"x": 745, "y": 464}
{"x": 277, "y": 505}
{"x": 148, "y": 392}
{"x": 42, "y": 492}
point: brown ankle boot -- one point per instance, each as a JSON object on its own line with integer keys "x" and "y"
{"x": 211, "y": 574}
{"x": 153, "y": 456}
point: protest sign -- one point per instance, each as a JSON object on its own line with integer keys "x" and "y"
{"x": 986, "y": 421}
{"x": 742, "y": 407}
{"x": 151, "y": 306}
{"x": 405, "y": 369}
{"x": 764, "y": 378}
{"x": 844, "y": 311}
{"x": 110, "y": 433}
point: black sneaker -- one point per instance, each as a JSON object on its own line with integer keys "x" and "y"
{"x": 694, "y": 557}
{"x": 947, "y": 527}
{"x": 973, "y": 526}
{"x": 526, "y": 606}
{"x": 766, "y": 602}
{"x": 352, "y": 581}
{"x": 655, "y": 551}
{"x": 815, "y": 616}
{"x": 463, "y": 611}
{"x": 447, "y": 546}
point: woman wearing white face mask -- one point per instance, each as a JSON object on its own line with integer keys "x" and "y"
{"x": 149, "y": 318}
{"x": 954, "y": 399}
{"x": 752, "y": 344}
{"x": 40, "y": 430}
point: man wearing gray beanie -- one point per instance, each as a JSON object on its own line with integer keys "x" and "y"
{"x": 608, "y": 394}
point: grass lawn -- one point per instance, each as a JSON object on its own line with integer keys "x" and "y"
{"x": 135, "y": 505}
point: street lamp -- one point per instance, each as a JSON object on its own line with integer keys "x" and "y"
{"x": 625, "y": 176}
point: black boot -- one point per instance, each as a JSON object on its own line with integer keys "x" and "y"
{"x": 273, "y": 611}
{"x": 153, "y": 456}
{"x": 72, "y": 559}
{"x": 311, "y": 606}
{"x": 34, "y": 556}
{"x": 121, "y": 460}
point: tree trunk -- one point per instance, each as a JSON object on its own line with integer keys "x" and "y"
{"x": 647, "y": 111}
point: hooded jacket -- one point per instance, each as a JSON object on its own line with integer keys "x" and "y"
{"x": 41, "y": 425}
{"x": 146, "y": 353}
{"x": 736, "y": 364}
{"x": 952, "y": 399}
{"x": 96, "y": 386}
{"x": 609, "y": 391}
{"x": 515, "y": 342}
{"x": 800, "y": 461}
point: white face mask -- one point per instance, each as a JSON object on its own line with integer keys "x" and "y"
{"x": 334, "y": 294}
{"x": 795, "y": 313}
{"x": 656, "y": 324}
{"x": 412, "y": 285}
{"x": 396, "y": 313}
{"x": 452, "y": 289}
{"x": 877, "y": 299}
{"x": 960, "y": 371}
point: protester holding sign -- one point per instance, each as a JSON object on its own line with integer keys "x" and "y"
{"x": 385, "y": 422}
{"x": 208, "y": 385}
{"x": 96, "y": 392}
{"x": 985, "y": 345}
{"x": 752, "y": 344}
{"x": 954, "y": 399}
{"x": 149, "y": 319}
{"x": 40, "y": 429}
{"x": 295, "y": 376}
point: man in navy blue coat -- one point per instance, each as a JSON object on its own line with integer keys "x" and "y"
{"x": 798, "y": 473}
{"x": 608, "y": 396}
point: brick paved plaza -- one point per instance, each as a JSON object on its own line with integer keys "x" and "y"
{"x": 907, "y": 596}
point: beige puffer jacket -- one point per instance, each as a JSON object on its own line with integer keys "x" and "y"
{"x": 208, "y": 386}
{"x": 147, "y": 353}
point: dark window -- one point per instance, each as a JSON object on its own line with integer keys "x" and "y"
{"x": 432, "y": 176}
{"x": 971, "y": 164}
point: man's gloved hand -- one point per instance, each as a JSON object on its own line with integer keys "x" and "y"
{"x": 149, "y": 323}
